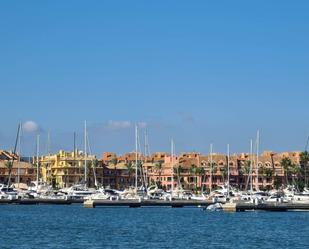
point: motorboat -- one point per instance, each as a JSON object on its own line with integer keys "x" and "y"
{"x": 153, "y": 192}
{"x": 7, "y": 192}
{"x": 103, "y": 194}
{"x": 201, "y": 197}
{"x": 277, "y": 198}
{"x": 301, "y": 198}
{"x": 216, "y": 197}
{"x": 77, "y": 191}
{"x": 179, "y": 194}
{"x": 39, "y": 187}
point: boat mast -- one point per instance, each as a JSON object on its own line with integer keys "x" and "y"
{"x": 14, "y": 153}
{"x": 147, "y": 149}
{"x": 48, "y": 153}
{"x": 251, "y": 164}
{"x": 48, "y": 143}
{"x": 228, "y": 170}
{"x": 19, "y": 154}
{"x": 257, "y": 159}
{"x": 172, "y": 166}
{"x": 136, "y": 159}
{"x": 74, "y": 150}
{"x": 139, "y": 149}
{"x": 85, "y": 153}
{"x": 92, "y": 164}
{"x": 211, "y": 165}
{"x": 147, "y": 154}
{"x": 145, "y": 145}
{"x": 37, "y": 160}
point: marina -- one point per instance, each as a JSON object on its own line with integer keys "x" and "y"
{"x": 195, "y": 188}
{"x": 230, "y": 207}
{"x": 154, "y": 124}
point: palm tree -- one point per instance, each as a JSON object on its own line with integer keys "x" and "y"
{"x": 273, "y": 174}
{"x": 141, "y": 170}
{"x": 179, "y": 170}
{"x": 304, "y": 163}
{"x": 9, "y": 166}
{"x": 200, "y": 171}
{"x": 89, "y": 166}
{"x": 130, "y": 168}
{"x": 224, "y": 170}
{"x": 158, "y": 167}
{"x": 286, "y": 164}
{"x": 245, "y": 170}
{"x": 213, "y": 170}
{"x": 295, "y": 171}
{"x": 114, "y": 162}
{"x": 263, "y": 172}
{"x": 193, "y": 171}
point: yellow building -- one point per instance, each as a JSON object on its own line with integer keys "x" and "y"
{"x": 65, "y": 169}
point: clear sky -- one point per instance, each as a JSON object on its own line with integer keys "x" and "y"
{"x": 199, "y": 71}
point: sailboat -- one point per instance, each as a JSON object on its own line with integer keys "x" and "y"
{"x": 80, "y": 191}
{"x": 7, "y": 191}
{"x": 38, "y": 188}
{"x": 176, "y": 193}
{"x": 140, "y": 191}
{"x": 137, "y": 192}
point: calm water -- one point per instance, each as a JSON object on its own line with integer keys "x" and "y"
{"x": 77, "y": 227}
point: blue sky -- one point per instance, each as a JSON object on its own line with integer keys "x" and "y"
{"x": 201, "y": 72}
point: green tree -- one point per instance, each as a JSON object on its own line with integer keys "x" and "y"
{"x": 141, "y": 172}
{"x": 212, "y": 171}
{"x": 295, "y": 171}
{"x": 193, "y": 172}
{"x": 179, "y": 170}
{"x": 224, "y": 171}
{"x": 9, "y": 166}
{"x": 265, "y": 172}
{"x": 245, "y": 171}
{"x": 286, "y": 164}
{"x": 89, "y": 167}
{"x": 304, "y": 164}
{"x": 130, "y": 169}
{"x": 200, "y": 171}
{"x": 158, "y": 167}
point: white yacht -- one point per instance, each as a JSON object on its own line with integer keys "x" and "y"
{"x": 7, "y": 192}
{"x": 39, "y": 187}
{"x": 77, "y": 191}
{"x": 301, "y": 198}
{"x": 153, "y": 192}
{"x": 103, "y": 194}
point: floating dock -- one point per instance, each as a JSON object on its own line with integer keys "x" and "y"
{"x": 110, "y": 203}
{"x": 40, "y": 202}
{"x": 281, "y": 207}
{"x": 228, "y": 207}
{"x": 146, "y": 203}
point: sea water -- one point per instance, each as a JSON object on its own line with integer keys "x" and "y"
{"x": 74, "y": 226}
